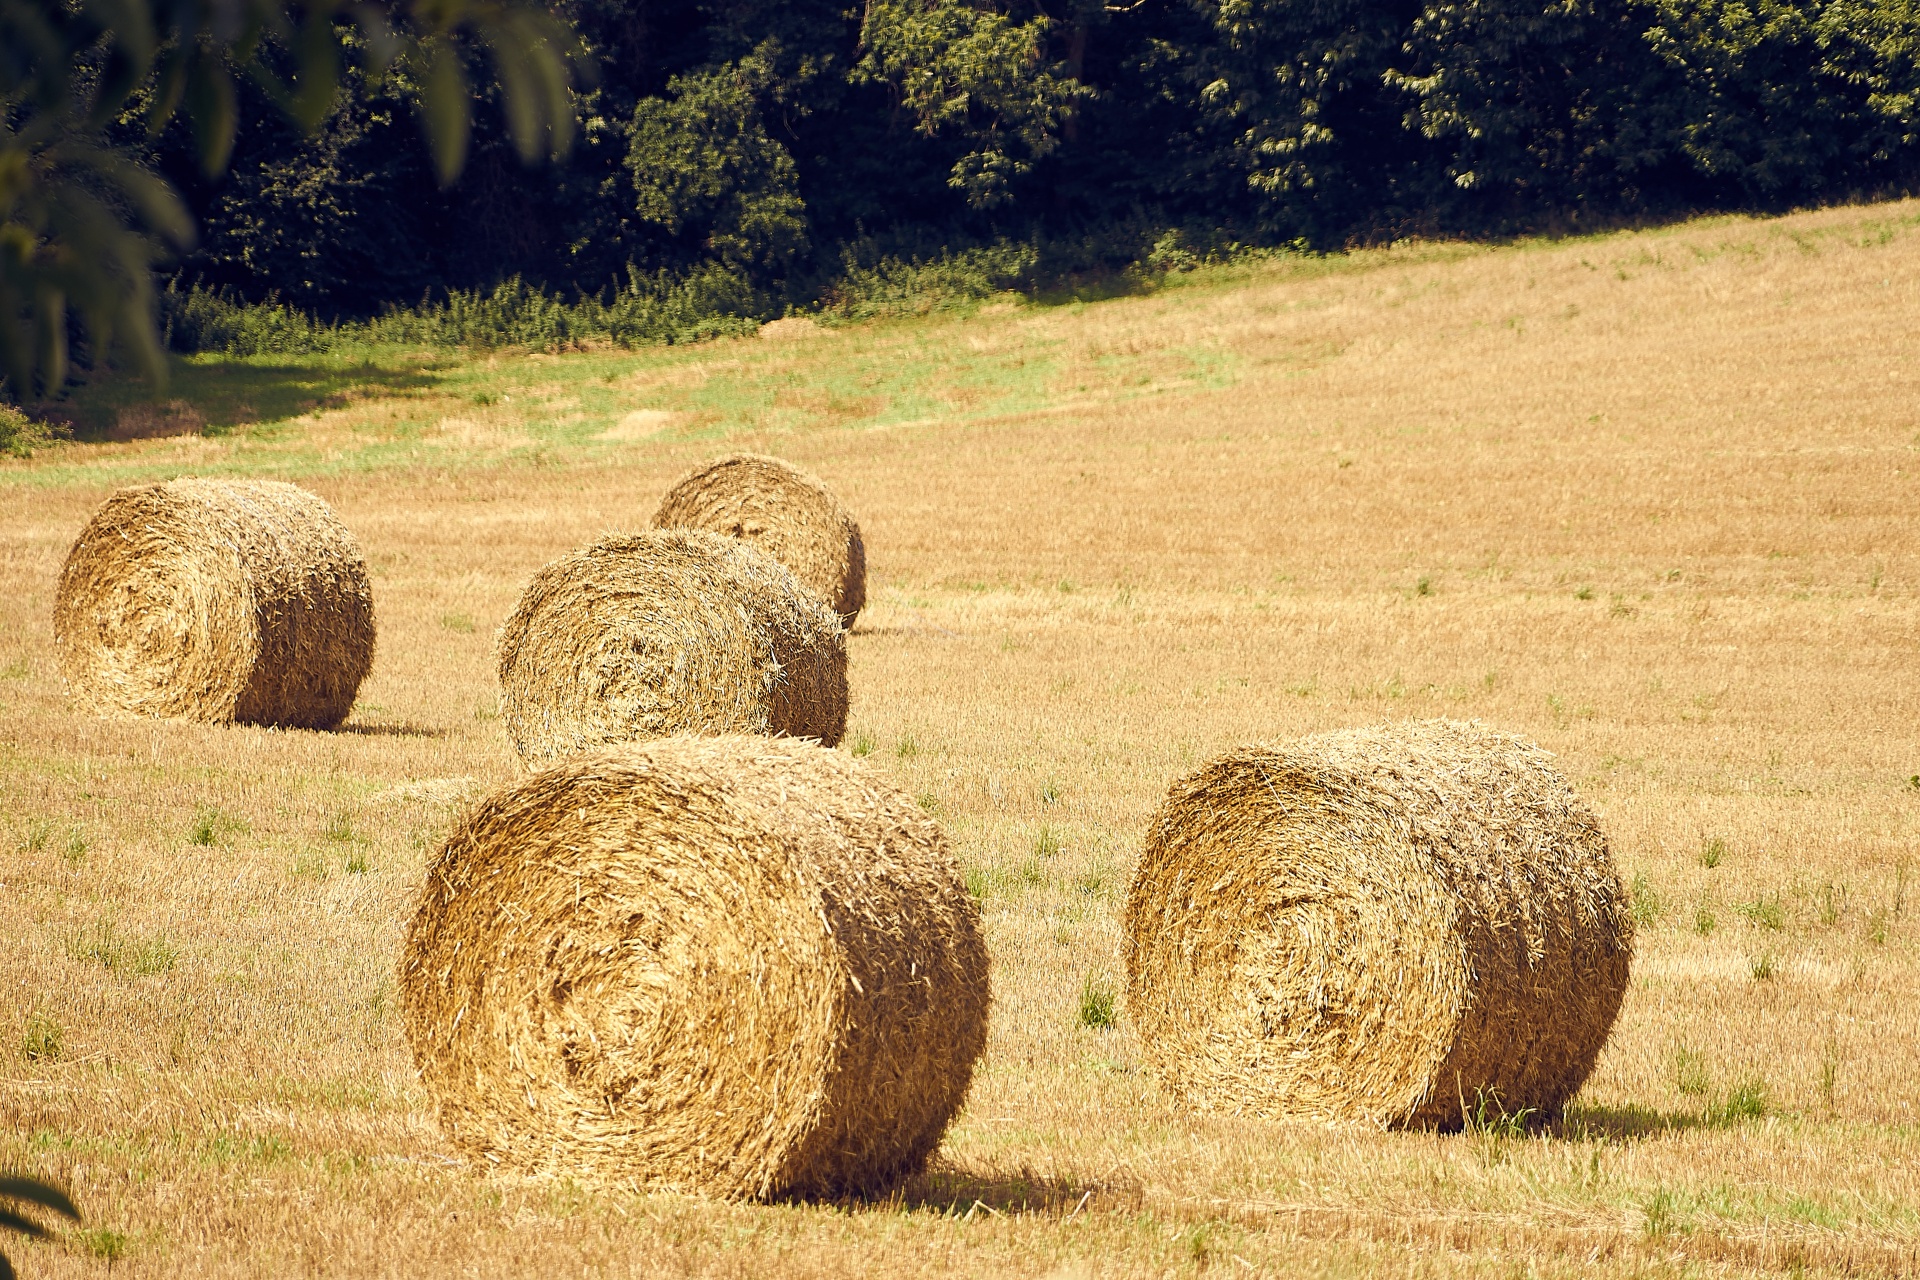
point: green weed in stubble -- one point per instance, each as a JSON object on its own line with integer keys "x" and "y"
{"x": 1663, "y": 1213}
{"x": 1712, "y": 850}
{"x": 1690, "y": 1072}
{"x": 39, "y": 832}
{"x": 862, "y": 744}
{"x": 108, "y": 1243}
{"x": 1046, "y": 844}
{"x": 1093, "y": 882}
{"x": 1647, "y": 906}
{"x": 1704, "y": 922}
{"x": 1877, "y": 920}
{"x": 212, "y": 825}
{"x": 461, "y": 623}
{"x": 1764, "y": 913}
{"x": 137, "y": 958}
{"x": 1201, "y": 1245}
{"x": 1751, "y": 1099}
{"x": 1486, "y": 1122}
{"x": 1801, "y": 1209}
{"x": 1762, "y": 968}
{"x": 41, "y": 1038}
{"x": 1098, "y": 1003}
{"x": 907, "y": 748}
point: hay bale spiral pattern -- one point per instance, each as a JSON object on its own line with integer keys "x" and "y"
{"x": 783, "y": 510}
{"x": 1397, "y": 924}
{"x": 216, "y": 600}
{"x": 739, "y": 966}
{"x": 661, "y": 633}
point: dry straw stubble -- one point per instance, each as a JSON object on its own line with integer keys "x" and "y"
{"x": 668, "y": 632}
{"x": 1411, "y": 924}
{"x": 740, "y": 966}
{"x": 787, "y": 512}
{"x": 216, "y": 600}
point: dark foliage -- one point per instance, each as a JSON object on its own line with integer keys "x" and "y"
{"x": 83, "y": 83}
{"x": 772, "y": 138}
{"x": 750, "y": 154}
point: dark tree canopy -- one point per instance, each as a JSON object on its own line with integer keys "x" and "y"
{"x": 778, "y": 141}
{"x": 87, "y": 86}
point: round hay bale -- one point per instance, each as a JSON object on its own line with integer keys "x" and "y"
{"x": 784, "y": 511}
{"x": 1409, "y": 925}
{"x": 668, "y": 632}
{"x": 739, "y": 966}
{"x": 216, "y": 600}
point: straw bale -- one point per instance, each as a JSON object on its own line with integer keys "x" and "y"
{"x": 788, "y": 513}
{"x": 668, "y": 632}
{"x": 738, "y": 966}
{"x": 216, "y": 600}
{"x": 1397, "y": 924}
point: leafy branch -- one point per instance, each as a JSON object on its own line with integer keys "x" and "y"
{"x": 82, "y": 223}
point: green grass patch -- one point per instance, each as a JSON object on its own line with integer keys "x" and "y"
{"x": 1099, "y": 1003}
{"x": 213, "y": 826}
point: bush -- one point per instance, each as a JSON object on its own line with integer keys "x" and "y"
{"x": 21, "y": 435}
{"x": 706, "y": 302}
{"x": 954, "y": 280}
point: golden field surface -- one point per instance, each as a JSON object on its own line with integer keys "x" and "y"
{"x": 1648, "y": 498}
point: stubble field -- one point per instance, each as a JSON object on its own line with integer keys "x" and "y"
{"x": 1649, "y": 499}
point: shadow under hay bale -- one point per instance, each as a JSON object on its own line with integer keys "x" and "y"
{"x": 1408, "y": 924}
{"x": 784, "y": 511}
{"x": 739, "y": 966}
{"x": 668, "y": 632}
{"x": 216, "y": 600}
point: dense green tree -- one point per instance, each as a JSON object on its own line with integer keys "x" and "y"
{"x": 82, "y": 221}
{"x": 772, "y": 144}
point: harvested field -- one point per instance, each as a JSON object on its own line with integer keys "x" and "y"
{"x": 1646, "y": 499}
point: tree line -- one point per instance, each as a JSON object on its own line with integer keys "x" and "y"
{"x": 779, "y": 145}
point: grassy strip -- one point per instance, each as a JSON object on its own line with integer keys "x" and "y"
{"x": 709, "y": 301}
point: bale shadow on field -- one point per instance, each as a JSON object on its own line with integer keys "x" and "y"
{"x": 211, "y": 397}
{"x": 906, "y": 631}
{"x": 1627, "y": 1123}
{"x": 959, "y": 1190}
{"x": 403, "y": 730}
